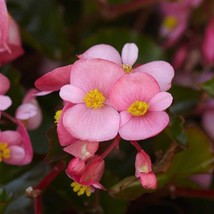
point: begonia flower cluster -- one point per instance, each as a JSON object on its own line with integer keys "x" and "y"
{"x": 107, "y": 98}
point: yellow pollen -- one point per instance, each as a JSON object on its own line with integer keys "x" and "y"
{"x": 80, "y": 189}
{"x": 57, "y": 116}
{"x": 127, "y": 68}
{"x": 170, "y": 22}
{"x": 4, "y": 151}
{"x": 138, "y": 108}
{"x": 94, "y": 99}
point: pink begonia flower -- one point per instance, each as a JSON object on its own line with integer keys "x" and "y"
{"x": 5, "y": 101}
{"x": 92, "y": 117}
{"x": 15, "y": 146}
{"x": 208, "y": 44}
{"x": 143, "y": 170}
{"x": 10, "y": 42}
{"x": 53, "y": 80}
{"x": 82, "y": 149}
{"x": 87, "y": 175}
{"x": 29, "y": 111}
{"x": 141, "y": 105}
{"x": 175, "y": 20}
{"x": 160, "y": 70}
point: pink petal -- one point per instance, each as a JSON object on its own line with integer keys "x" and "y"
{"x": 204, "y": 180}
{"x": 162, "y": 71}
{"x": 10, "y": 137}
{"x": 102, "y": 51}
{"x": 4, "y": 84}
{"x": 65, "y": 138}
{"x": 4, "y": 22}
{"x": 82, "y": 149}
{"x": 140, "y": 128}
{"x": 72, "y": 94}
{"x": 160, "y": 101}
{"x": 148, "y": 180}
{"x": 17, "y": 155}
{"x": 26, "y": 111}
{"x": 129, "y": 53}
{"x": 5, "y": 102}
{"x": 95, "y": 74}
{"x": 55, "y": 79}
{"x": 92, "y": 125}
{"x": 124, "y": 117}
{"x": 137, "y": 86}
{"x": 207, "y": 122}
{"x": 26, "y": 143}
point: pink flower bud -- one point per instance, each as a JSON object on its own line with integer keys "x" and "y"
{"x": 143, "y": 170}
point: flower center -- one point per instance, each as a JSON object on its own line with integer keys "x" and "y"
{"x": 138, "y": 108}
{"x": 4, "y": 151}
{"x": 94, "y": 99}
{"x": 170, "y": 22}
{"x": 81, "y": 190}
{"x": 144, "y": 168}
{"x": 127, "y": 68}
{"x": 57, "y": 116}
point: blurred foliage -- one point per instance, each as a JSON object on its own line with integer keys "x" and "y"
{"x": 53, "y": 33}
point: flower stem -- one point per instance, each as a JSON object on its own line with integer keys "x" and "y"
{"x": 136, "y": 145}
{"x": 35, "y": 193}
{"x": 111, "y": 147}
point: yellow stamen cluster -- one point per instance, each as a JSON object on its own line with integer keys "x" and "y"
{"x": 4, "y": 151}
{"x": 127, "y": 68}
{"x": 94, "y": 99}
{"x": 57, "y": 116}
{"x": 138, "y": 108}
{"x": 80, "y": 189}
{"x": 170, "y": 22}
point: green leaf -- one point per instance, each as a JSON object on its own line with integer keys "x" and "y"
{"x": 197, "y": 158}
{"x": 192, "y": 160}
{"x": 184, "y": 99}
{"x": 176, "y": 130}
{"x": 208, "y": 86}
{"x": 41, "y": 25}
{"x": 5, "y": 199}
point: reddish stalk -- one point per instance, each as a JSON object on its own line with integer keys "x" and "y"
{"x": 35, "y": 193}
{"x": 190, "y": 193}
{"x": 111, "y": 147}
{"x": 136, "y": 145}
{"x": 114, "y": 11}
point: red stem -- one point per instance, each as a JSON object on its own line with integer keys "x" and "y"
{"x": 113, "y": 11}
{"x": 193, "y": 193}
{"x": 111, "y": 147}
{"x": 44, "y": 183}
{"x": 136, "y": 145}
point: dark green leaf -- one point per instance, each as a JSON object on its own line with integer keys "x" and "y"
{"x": 208, "y": 86}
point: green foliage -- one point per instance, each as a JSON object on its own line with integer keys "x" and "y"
{"x": 208, "y": 86}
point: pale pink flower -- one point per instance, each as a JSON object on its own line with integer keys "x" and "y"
{"x": 208, "y": 44}
{"x": 29, "y": 111}
{"x": 141, "y": 105}
{"x": 91, "y": 117}
{"x": 5, "y": 101}
{"x": 160, "y": 70}
{"x": 4, "y": 22}
{"x": 15, "y": 146}
{"x": 87, "y": 175}
{"x": 143, "y": 170}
